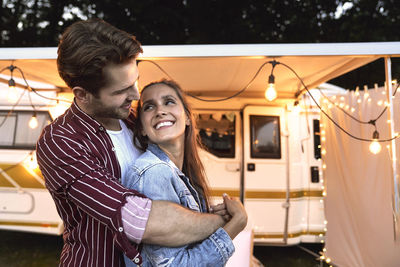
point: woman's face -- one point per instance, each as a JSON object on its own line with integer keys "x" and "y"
{"x": 162, "y": 115}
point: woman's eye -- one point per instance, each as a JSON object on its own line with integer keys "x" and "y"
{"x": 169, "y": 101}
{"x": 147, "y": 107}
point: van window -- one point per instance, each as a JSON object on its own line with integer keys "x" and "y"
{"x": 217, "y": 133}
{"x": 265, "y": 137}
{"x": 317, "y": 139}
{"x": 15, "y": 131}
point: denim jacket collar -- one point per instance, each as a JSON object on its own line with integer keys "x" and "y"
{"x": 156, "y": 150}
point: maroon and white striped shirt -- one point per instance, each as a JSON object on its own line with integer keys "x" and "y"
{"x": 81, "y": 170}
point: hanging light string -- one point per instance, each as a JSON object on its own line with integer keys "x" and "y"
{"x": 219, "y": 99}
{"x": 16, "y": 164}
{"x": 12, "y": 109}
{"x": 329, "y": 117}
{"x": 351, "y": 116}
{"x": 35, "y": 91}
{"x": 273, "y": 63}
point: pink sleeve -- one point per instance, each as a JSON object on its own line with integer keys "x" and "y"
{"x": 135, "y": 214}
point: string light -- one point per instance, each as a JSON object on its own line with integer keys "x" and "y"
{"x": 270, "y": 92}
{"x": 33, "y": 122}
{"x": 375, "y": 147}
{"x": 12, "y": 94}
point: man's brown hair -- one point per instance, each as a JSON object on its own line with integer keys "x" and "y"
{"x": 86, "y": 47}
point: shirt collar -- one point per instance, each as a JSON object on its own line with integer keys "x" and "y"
{"x": 95, "y": 126}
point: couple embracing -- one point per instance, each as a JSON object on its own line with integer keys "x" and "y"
{"x": 130, "y": 189}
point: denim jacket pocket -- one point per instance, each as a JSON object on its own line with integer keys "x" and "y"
{"x": 188, "y": 200}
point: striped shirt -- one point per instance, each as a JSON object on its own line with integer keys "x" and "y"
{"x": 81, "y": 170}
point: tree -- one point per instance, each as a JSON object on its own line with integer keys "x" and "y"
{"x": 40, "y": 22}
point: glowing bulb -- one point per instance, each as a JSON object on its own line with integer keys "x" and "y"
{"x": 357, "y": 93}
{"x": 270, "y": 93}
{"x": 12, "y": 94}
{"x": 375, "y": 147}
{"x": 33, "y": 122}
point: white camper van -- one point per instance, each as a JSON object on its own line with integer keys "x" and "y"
{"x": 266, "y": 153}
{"x": 269, "y": 155}
{"x": 25, "y": 204}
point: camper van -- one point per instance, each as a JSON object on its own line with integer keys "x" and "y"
{"x": 269, "y": 156}
{"x": 25, "y": 204}
{"x": 268, "y": 153}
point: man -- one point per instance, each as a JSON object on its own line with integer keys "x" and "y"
{"x": 84, "y": 153}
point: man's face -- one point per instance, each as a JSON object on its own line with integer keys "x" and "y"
{"x": 114, "y": 100}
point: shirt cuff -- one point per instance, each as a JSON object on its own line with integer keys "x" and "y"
{"x": 135, "y": 214}
{"x": 224, "y": 243}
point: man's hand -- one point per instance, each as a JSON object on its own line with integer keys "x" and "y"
{"x": 238, "y": 213}
{"x": 220, "y": 209}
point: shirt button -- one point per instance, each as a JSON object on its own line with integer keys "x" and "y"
{"x": 121, "y": 229}
{"x": 113, "y": 149}
{"x": 101, "y": 128}
{"x": 136, "y": 260}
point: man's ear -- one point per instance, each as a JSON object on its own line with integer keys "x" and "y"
{"x": 81, "y": 94}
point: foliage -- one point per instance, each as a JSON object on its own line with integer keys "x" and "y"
{"x": 33, "y": 23}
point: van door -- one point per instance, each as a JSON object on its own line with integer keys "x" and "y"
{"x": 265, "y": 171}
{"x": 220, "y": 133}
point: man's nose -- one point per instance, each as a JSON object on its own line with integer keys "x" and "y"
{"x": 134, "y": 93}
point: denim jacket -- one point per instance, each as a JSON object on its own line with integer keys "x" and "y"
{"x": 156, "y": 176}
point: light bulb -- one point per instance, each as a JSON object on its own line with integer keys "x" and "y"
{"x": 33, "y": 122}
{"x": 375, "y": 147}
{"x": 12, "y": 94}
{"x": 270, "y": 93}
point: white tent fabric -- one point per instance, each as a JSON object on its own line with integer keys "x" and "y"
{"x": 359, "y": 184}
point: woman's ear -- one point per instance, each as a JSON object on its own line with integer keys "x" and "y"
{"x": 143, "y": 132}
{"x": 187, "y": 121}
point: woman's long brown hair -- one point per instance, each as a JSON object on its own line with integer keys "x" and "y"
{"x": 192, "y": 165}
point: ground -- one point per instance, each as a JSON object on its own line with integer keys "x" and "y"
{"x": 18, "y": 249}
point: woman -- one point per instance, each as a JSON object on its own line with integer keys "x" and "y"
{"x": 170, "y": 169}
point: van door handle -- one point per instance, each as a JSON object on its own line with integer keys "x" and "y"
{"x": 232, "y": 167}
{"x": 251, "y": 167}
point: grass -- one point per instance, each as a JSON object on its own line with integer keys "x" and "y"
{"x": 19, "y": 249}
